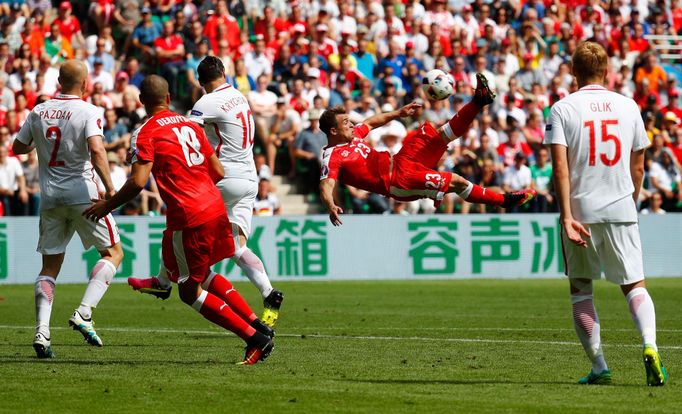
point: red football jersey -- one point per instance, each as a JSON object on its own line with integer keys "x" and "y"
{"x": 357, "y": 164}
{"x": 179, "y": 150}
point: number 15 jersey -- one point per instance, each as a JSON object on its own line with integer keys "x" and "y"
{"x": 59, "y": 129}
{"x": 228, "y": 123}
{"x": 600, "y": 129}
{"x": 180, "y": 152}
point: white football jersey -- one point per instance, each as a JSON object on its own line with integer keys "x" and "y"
{"x": 600, "y": 129}
{"x": 226, "y": 116}
{"x": 59, "y": 129}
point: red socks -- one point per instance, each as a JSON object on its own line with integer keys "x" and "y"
{"x": 217, "y": 311}
{"x": 462, "y": 120}
{"x": 223, "y": 289}
{"x": 482, "y": 195}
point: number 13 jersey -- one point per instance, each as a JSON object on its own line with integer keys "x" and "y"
{"x": 228, "y": 123}
{"x": 59, "y": 130}
{"x": 180, "y": 152}
{"x": 600, "y": 129}
{"x": 356, "y": 163}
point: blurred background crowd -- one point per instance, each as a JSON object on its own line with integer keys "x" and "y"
{"x": 293, "y": 59}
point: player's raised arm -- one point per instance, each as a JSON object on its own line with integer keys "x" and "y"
{"x": 382, "y": 119}
{"x": 98, "y": 158}
{"x": 327, "y": 197}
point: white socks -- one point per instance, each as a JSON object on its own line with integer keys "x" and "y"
{"x": 586, "y": 325}
{"x": 100, "y": 277}
{"x": 467, "y": 191}
{"x": 162, "y": 277}
{"x": 199, "y": 302}
{"x": 643, "y": 314}
{"x": 44, "y": 295}
{"x": 254, "y": 269}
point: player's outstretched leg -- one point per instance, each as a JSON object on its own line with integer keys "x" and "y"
{"x": 254, "y": 269}
{"x": 473, "y": 193}
{"x": 644, "y": 315}
{"x": 587, "y": 327}
{"x": 159, "y": 286}
{"x": 44, "y": 295}
{"x": 211, "y": 307}
{"x": 218, "y": 285}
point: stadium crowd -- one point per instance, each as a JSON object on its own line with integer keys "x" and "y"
{"x": 294, "y": 59}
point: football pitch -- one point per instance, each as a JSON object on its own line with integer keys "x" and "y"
{"x": 486, "y": 346}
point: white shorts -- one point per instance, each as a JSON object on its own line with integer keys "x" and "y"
{"x": 58, "y": 224}
{"x": 614, "y": 248}
{"x": 239, "y": 196}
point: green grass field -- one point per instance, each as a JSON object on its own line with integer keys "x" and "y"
{"x": 384, "y": 347}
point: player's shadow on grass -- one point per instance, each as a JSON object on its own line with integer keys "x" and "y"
{"x": 471, "y": 382}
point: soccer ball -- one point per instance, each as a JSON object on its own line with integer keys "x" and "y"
{"x": 437, "y": 85}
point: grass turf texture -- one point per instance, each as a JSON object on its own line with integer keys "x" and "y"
{"x": 430, "y": 346}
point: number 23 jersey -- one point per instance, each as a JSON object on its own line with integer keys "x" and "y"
{"x": 600, "y": 130}
{"x": 357, "y": 164}
{"x": 59, "y": 129}
{"x": 180, "y": 152}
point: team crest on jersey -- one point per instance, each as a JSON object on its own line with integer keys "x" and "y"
{"x": 345, "y": 153}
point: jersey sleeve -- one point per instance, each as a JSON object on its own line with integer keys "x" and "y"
{"x": 641, "y": 137}
{"x": 141, "y": 146}
{"x": 330, "y": 165}
{"x": 24, "y": 135}
{"x": 94, "y": 124}
{"x": 554, "y": 131}
{"x": 360, "y": 131}
{"x": 202, "y": 113}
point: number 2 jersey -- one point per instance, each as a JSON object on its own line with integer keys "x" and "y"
{"x": 59, "y": 129}
{"x": 600, "y": 129}
{"x": 180, "y": 152}
{"x": 357, "y": 164}
{"x": 228, "y": 123}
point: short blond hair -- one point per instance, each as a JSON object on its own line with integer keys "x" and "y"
{"x": 589, "y": 61}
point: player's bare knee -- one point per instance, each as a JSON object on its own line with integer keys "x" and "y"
{"x": 188, "y": 291}
{"x": 581, "y": 287}
{"x": 114, "y": 254}
{"x": 458, "y": 183}
{"x": 629, "y": 287}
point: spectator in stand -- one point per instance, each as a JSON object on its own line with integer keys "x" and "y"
{"x": 115, "y": 133}
{"x": 241, "y": 80}
{"x": 131, "y": 113}
{"x": 267, "y": 204}
{"x": 16, "y": 79}
{"x": 257, "y": 63}
{"x": 31, "y": 174}
{"x": 108, "y": 61}
{"x": 541, "y": 174}
{"x": 50, "y": 76}
{"x": 69, "y": 26}
{"x": 655, "y": 205}
{"x": 122, "y": 87}
{"x": 308, "y": 152}
{"x": 665, "y": 178}
{"x": 7, "y": 100}
{"x": 101, "y": 76}
{"x": 144, "y": 35}
{"x": 196, "y": 38}
{"x": 509, "y": 150}
{"x": 652, "y": 72}
{"x": 527, "y": 76}
{"x": 13, "y": 193}
{"x": 285, "y": 126}
{"x": 264, "y": 107}
{"x": 517, "y": 177}
{"x": 195, "y": 88}
{"x": 170, "y": 54}
{"x": 222, "y": 17}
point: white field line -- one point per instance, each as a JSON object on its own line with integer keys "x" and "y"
{"x": 357, "y": 337}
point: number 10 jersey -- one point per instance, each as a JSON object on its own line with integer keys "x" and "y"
{"x": 229, "y": 126}
{"x": 59, "y": 130}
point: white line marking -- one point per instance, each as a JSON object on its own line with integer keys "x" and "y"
{"x": 355, "y": 337}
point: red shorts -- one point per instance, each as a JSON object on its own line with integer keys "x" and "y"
{"x": 414, "y": 175}
{"x": 190, "y": 253}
